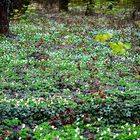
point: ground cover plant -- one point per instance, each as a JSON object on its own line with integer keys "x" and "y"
{"x": 70, "y": 77}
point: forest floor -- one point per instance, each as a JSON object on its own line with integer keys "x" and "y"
{"x": 70, "y": 76}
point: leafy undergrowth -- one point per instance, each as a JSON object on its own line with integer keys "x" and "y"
{"x": 65, "y": 77}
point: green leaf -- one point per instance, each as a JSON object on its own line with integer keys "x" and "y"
{"x": 120, "y": 45}
{"x": 127, "y": 46}
{"x": 137, "y": 76}
{"x": 122, "y": 51}
{"x": 113, "y": 45}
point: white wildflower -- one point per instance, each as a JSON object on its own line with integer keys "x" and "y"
{"x": 41, "y": 128}
{"x": 77, "y": 130}
{"x": 114, "y": 136}
{"x": 135, "y": 132}
{"x": 117, "y": 134}
{"x": 77, "y": 123}
{"x": 23, "y": 126}
{"x": 67, "y": 36}
{"x": 57, "y": 137}
{"x": 126, "y": 124}
{"x": 99, "y": 119}
{"x": 88, "y": 125}
{"x": 108, "y": 129}
{"x": 134, "y": 125}
{"x": 104, "y": 132}
{"x": 97, "y": 129}
{"x": 53, "y": 127}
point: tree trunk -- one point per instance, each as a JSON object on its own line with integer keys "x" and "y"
{"x": 136, "y": 4}
{"x": 4, "y": 20}
{"x": 63, "y": 5}
{"x": 90, "y": 6}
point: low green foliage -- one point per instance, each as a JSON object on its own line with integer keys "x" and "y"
{"x": 61, "y": 80}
